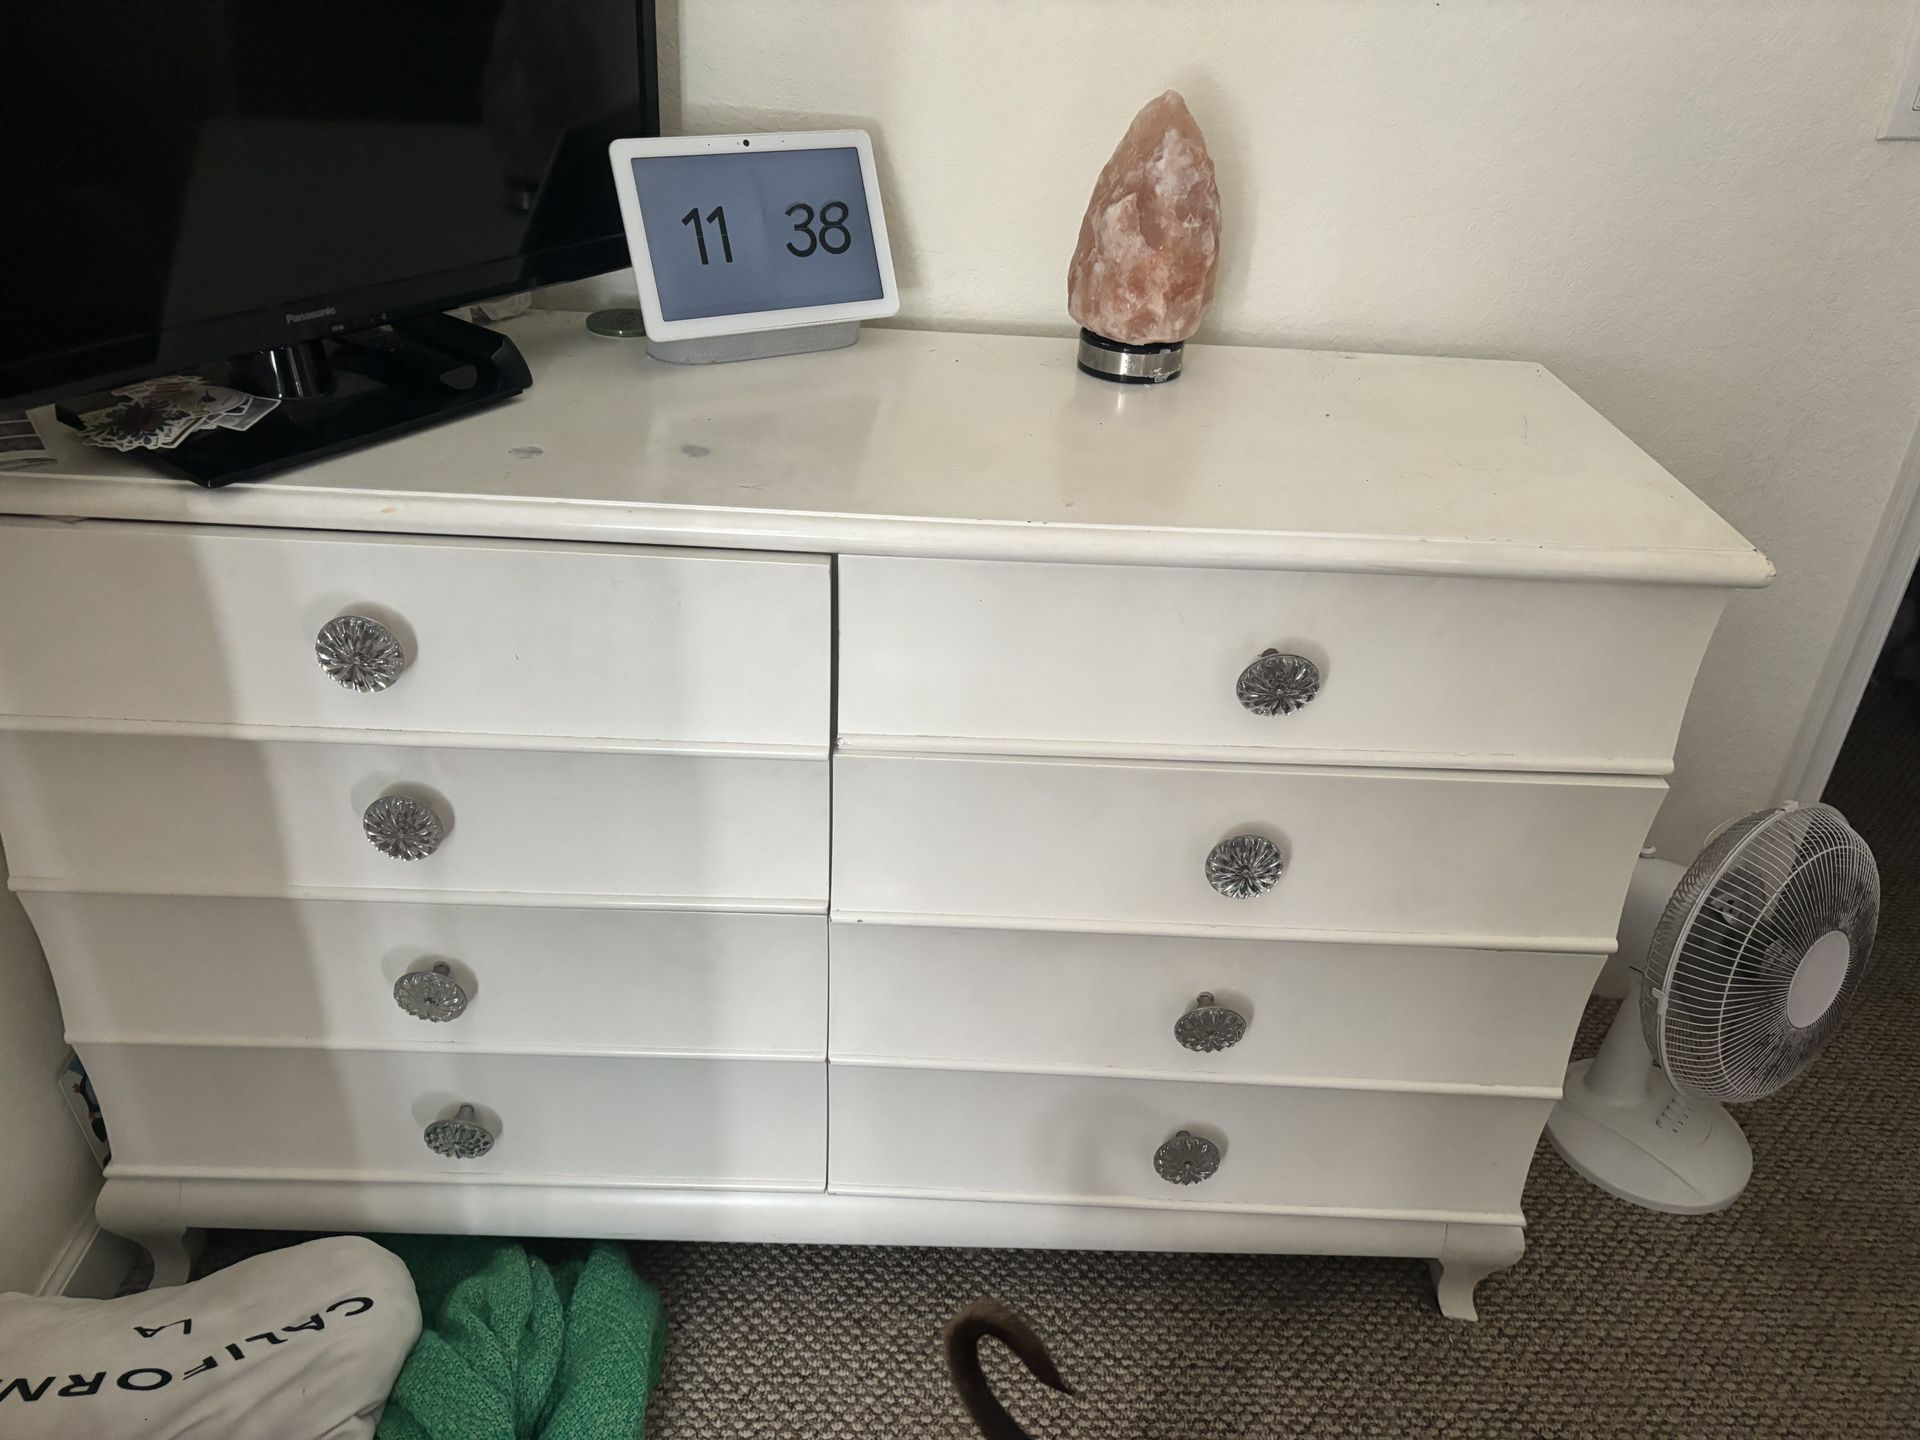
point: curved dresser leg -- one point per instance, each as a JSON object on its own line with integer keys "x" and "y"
{"x": 148, "y": 1215}
{"x": 1468, "y": 1255}
{"x": 173, "y": 1253}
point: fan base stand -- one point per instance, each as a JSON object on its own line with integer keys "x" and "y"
{"x": 1664, "y": 1151}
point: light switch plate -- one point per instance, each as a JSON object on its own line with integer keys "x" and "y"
{"x": 1903, "y": 121}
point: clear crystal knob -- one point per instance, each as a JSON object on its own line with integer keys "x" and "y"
{"x": 1278, "y": 684}
{"x": 1244, "y": 866}
{"x": 461, "y": 1138}
{"x": 431, "y": 994}
{"x": 403, "y": 827}
{"x": 359, "y": 653}
{"x": 1187, "y": 1159}
{"x": 1208, "y": 1027}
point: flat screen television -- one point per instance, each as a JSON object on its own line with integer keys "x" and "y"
{"x": 184, "y": 182}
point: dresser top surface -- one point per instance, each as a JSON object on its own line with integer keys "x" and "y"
{"x": 995, "y": 446}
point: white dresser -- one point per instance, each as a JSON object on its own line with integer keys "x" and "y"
{"x": 917, "y": 794}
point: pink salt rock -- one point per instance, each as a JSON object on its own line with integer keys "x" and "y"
{"x": 1149, "y": 252}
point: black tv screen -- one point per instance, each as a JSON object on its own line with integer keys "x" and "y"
{"x": 185, "y": 180}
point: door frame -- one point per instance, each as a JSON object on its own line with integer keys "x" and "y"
{"x": 1891, "y": 562}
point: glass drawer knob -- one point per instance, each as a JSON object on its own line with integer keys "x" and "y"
{"x": 403, "y": 827}
{"x": 1208, "y": 1027}
{"x": 360, "y": 654}
{"x": 431, "y": 994}
{"x": 1278, "y": 684}
{"x": 461, "y": 1138}
{"x": 1187, "y": 1159}
{"x": 1244, "y": 866}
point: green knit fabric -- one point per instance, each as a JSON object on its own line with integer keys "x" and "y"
{"x": 512, "y": 1348}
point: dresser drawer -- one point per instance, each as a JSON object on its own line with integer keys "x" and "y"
{"x": 1074, "y": 1139}
{"x": 216, "y": 626}
{"x": 1281, "y": 1012}
{"x": 149, "y": 813}
{"x": 246, "y": 1111}
{"x": 1490, "y": 673}
{"x": 191, "y": 970}
{"x": 1513, "y": 858}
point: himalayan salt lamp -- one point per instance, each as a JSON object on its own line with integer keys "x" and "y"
{"x": 1143, "y": 271}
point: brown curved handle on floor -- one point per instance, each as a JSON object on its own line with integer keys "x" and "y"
{"x": 961, "y": 1340}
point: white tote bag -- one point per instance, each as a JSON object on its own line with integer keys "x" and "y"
{"x": 296, "y": 1344}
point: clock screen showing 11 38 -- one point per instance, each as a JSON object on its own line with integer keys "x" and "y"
{"x": 775, "y": 230}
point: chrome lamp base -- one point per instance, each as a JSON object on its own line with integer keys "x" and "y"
{"x": 1130, "y": 364}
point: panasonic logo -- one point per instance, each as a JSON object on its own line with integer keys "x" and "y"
{"x": 294, "y": 317}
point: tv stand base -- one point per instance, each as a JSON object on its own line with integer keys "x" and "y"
{"x": 383, "y": 382}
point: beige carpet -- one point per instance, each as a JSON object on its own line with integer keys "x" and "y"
{"x": 1796, "y": 1314}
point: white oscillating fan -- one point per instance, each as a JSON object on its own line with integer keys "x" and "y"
{"x": 1743, "y": 965}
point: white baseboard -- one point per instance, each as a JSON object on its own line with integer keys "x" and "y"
{"x": 92, "y": 1264}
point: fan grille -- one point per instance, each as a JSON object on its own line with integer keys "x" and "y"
{"x": 1724, "y": 956}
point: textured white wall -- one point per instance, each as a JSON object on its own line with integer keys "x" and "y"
{"x": 1678, "y": 205}
{"x": 47, "y": 1175}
